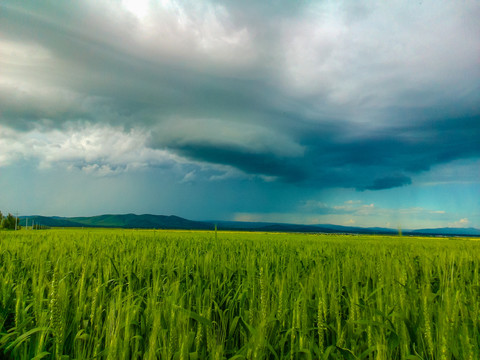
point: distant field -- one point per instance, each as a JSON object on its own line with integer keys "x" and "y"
{"x": 126, "y": 294}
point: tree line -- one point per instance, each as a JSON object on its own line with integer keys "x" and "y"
{"x": 9, "y": 222}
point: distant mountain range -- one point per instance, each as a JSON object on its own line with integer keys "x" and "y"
{"x": 127, "y": 221}
{"x": 148, "y": 221}
{"x": 449, "y": 231}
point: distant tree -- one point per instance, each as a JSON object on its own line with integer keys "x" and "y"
{"x": 1, "y": 219}
{"x": 9, "y": 222}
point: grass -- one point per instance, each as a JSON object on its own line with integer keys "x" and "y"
{"x": 125, "y": 294}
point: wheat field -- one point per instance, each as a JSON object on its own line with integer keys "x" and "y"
{"x": 126, "y": 294}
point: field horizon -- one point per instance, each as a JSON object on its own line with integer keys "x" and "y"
{"x": 150, "y": 221}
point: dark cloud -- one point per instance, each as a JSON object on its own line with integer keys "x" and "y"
{"x": 251, "y": 163}
{"x": 389, "y": 182}
{"x": 367, "y": 161}
{"x": 305, "y": 93}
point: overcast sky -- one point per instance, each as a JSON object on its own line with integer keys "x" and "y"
{"x": 345, "y": 112}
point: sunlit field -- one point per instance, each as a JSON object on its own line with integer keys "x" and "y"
{"x": 125, "y": 294}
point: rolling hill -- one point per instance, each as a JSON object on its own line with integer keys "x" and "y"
{"x": 127, "y": 221}
{"x": 149, "y": 221}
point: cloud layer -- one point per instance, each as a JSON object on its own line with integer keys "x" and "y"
{"x": 318, "y": 94}
{"x": 354, "y": 212}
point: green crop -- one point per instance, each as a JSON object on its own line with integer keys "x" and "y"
{"x": 125, "y": 294}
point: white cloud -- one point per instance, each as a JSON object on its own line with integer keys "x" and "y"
{"x": 202, "y": 31}
{"x": 98, "y": 149}
{"x": 460, "y": 223}
{"x": 103, "y": 150}
{"x": 226, "y": 172}
{"x": 190, "y": 176}
{"x": 363, "y": 216}
{"x": 356, "y": 212}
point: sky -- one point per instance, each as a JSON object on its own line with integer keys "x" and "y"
{"x": 363, "y": 113}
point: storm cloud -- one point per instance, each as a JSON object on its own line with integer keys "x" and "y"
{"x": 362, "y": 95}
